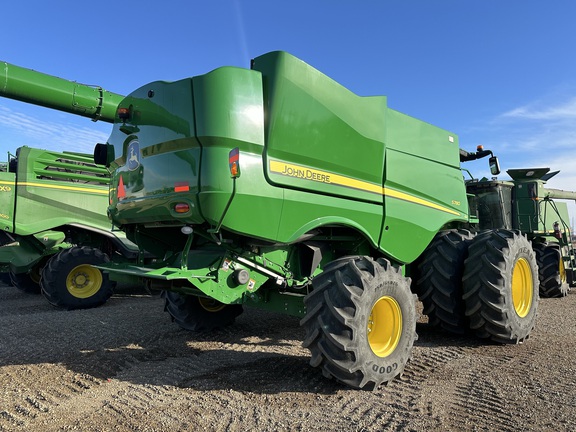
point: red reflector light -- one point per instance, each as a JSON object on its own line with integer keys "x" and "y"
{"x": 181, "y": 187}
{"x": 182, "y": 208}
{"x": 121, "y": 193}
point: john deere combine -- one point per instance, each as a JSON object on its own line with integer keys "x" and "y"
{"x": 275, "y": 187}
{"x": 54, "y": 227}
{"x": 53, "y": 204}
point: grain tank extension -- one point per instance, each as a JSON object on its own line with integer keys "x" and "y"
{"x": 275, "y": 187}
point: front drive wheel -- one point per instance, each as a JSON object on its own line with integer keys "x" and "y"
{"x": 439, "y": 280}
{"x": 199, "y": 313}
{"x": 500, "y": 286}
{"x": 360, "y": 322}
{"x": 70, "y": 281}
{"x": 551, "y": 270}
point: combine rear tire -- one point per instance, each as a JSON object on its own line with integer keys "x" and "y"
{"x": 551, "y": 270}
{"x": 439, "y": 280}
{"x": 27, "y": 282}
{"x": 360, "y": 322}
{"x": 5, "y": 279}
{"x": 501, "y": 286}
{"x": 70, "y": 281}
{"x": 199, "y": 313}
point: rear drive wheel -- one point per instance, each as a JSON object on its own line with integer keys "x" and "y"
{"x": 551, "y": 270}
{"x": 360, "y": 322}
{"x": 199, "y": 313}
{"x": 70, "y": 281}
{"x": 27, "y": 282}
{"x": 501, "y": 286}
{"x": 438, "y": 281}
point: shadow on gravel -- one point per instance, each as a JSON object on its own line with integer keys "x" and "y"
{"x": 132, "y": 339}
{"x": 429, "y": 336}
{"x": 265, "y": 375}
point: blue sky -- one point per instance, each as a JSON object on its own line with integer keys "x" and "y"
{"x": 497, "y": 73}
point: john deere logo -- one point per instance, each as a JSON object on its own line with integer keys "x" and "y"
{"x": 133, "y": 155}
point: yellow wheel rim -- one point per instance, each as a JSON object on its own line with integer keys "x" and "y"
{"x": 36, "y": 275}
{"x": 522, "y": 287}
{"x": 211, "y": 305}
{"x": 562, "y": 271}
{"x": 84, "y": 281}
{"x": 384, "y": 326}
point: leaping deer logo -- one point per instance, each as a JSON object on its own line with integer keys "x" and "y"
{"x": 133, "y": 150}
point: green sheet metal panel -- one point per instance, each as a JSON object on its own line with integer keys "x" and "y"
{"x": 320, "y": 136}
{"x": 7, "y": 195}
{"x": 424, "y": 189}
{"x": 44, "y": 201}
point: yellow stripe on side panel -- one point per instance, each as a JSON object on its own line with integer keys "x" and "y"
{"x": 304, "y": 173}
{"x": 70, "y": 188}
{"x": 404, "y": 196}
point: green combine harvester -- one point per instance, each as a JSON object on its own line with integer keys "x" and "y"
{"x": 274, "y": 187}
{"x": 525, "y": 204}
{"x": 53, "y": 219}
{"x": 55, "y": 228}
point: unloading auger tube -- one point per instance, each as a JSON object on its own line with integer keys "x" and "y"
{"x": 37, "y": 88}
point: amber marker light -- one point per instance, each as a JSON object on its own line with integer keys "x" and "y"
{"x": 123, "y": 113}
{"x": 182, "y": 208}
{"x": 233, "y": 162}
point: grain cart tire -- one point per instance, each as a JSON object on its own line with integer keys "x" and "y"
{"x": 70, "y": 281}
{"x": 360, "y": 322}
{"x": 27, "y": 282}
{"x": 551, "y": 270}
{"x": 438, "y": 281}
{"x": 500, "y": 286}
{"x": 199, "y": 313}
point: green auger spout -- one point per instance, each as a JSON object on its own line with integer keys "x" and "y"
{"x": 37, "y": 88}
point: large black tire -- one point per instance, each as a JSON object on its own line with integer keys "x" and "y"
{"x": 438, "y": 281}
{"x": 501, "y": 286}
{"x": 5, "y": 279}
{"x": 360, "y": 322}
{"x": 551, "y": 270}
{"x": 70, "y": 281}
{"x": 199, "y": 314}
{"x": 27, "y": 282}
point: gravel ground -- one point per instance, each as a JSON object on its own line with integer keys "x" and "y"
{"x": 126, "y": 367}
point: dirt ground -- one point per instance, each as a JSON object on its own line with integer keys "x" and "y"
{"x": 126, "y": 367}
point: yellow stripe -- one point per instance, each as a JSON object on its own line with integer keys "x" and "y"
{"x": 403, "y": 196}
{"x": 304, "y": 173}
{"x": 69, "y": 188}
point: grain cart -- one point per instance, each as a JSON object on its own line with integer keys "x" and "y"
{"x": 53, "y": 204}
{"x": 277, "y": 188}
{"x": 525, "y": 204}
